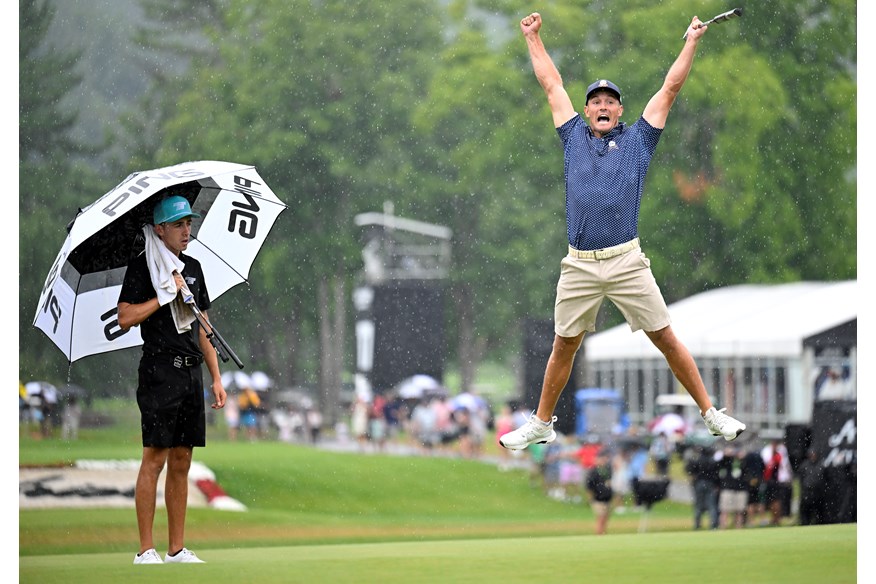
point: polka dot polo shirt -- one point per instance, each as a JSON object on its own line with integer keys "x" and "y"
{"x": 604, "y": 181}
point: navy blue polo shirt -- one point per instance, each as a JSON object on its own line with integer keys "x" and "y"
{"x": 605, "y": 178}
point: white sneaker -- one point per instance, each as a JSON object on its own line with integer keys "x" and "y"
{"x": 185, "y": 556}
{"x": 150, "y": 556}
{"x": 720, "y": 424}
{"x": 534, "y": 431}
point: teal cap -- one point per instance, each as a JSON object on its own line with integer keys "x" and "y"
{"x": 172, "y": 209}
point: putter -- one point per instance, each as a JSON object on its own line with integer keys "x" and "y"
{"x": 720, "y": 18}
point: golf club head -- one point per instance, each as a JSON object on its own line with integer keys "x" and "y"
{"x": 727, "y": 15}
{"x": 735, "y": 13}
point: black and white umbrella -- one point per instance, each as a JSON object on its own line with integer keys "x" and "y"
{"x": 77, "y": 307}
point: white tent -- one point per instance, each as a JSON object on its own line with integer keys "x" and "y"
{"x": 766, "y": 320}
{"x": 748, "y": 341}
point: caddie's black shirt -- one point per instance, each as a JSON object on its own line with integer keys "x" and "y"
{"x": 159, "y": 331}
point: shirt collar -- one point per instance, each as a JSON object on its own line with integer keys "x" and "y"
{"x": 616, "y": 131}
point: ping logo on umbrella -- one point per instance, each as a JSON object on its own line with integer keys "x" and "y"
{"x": 247, "y": 219}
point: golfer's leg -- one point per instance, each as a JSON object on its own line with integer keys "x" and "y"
{"x": 580, "y": 293}
{"x": 682, "y": 365}
{"x": 556, "y": 374}
{"x": 146, "y": 491}
{"x": 176, "y": 493}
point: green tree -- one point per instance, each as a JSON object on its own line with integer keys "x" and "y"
{"x": 486, "y": 174}
{"x": 317, "y": 96}
{"x": 736, "y": 190}
{"x": 169, "y": 38}
{"x": 46, "y": 76}
{"x": 433, "y": 106}
{"x": 50, "y": 181}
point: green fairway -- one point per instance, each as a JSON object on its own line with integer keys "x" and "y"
{"x": 797, "y": 555}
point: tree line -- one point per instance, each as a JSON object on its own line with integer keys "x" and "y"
{"x": 433, "y": 106}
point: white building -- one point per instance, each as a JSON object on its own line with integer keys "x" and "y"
{"x": 762, "y": 350}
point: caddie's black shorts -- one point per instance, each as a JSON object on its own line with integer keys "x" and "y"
{"x": 170, "y": 394}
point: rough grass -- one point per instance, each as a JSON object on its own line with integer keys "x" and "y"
{"x": 298, "y": 495}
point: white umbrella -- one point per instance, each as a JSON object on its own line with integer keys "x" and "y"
{"x": 48, "y": 391}
{"x": 260, "y": 381}
{"x": 77, "y": 307}
{"x": 669, "y": 424}
{"x": 417, "y": 386}
{"x": 242, "y": 380}
{"x": 468, "y": 401}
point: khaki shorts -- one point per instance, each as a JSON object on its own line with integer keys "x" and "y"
{"x": 624, "y": 279}
{"x": 732, "y": 501}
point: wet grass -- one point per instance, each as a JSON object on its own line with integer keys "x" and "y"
{"x": 798, "y": 555}
{"x": 315, "y": 515}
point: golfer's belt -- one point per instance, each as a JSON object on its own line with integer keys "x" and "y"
{"x": 605, "y": 253}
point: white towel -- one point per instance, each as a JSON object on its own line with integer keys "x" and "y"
{"x": 162, "y": 264}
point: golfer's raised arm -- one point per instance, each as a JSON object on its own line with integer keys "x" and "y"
{"x": 658, "y": 107}
{"x": 546, "y": 72}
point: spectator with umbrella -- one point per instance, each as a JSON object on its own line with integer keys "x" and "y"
{"x": 43, "y": 400}
{"x": 248, "y": 404}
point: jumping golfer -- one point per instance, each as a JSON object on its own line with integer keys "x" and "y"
{"x": 170, "y": 387}
{"x": 605, "y": 166}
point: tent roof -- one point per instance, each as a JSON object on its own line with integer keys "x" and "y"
{"x": 763, "y": 320}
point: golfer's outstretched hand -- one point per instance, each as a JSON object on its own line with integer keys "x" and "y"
{"x": 530, "y": 24}
{"x": 696, "y": 29}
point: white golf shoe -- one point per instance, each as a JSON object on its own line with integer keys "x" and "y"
{"x": 150, "y": 556}
{"x": 720, "y": 424}
{"x": 184, "y": 556}
{"x": 534, "y": 431}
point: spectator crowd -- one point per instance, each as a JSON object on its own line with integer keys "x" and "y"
{"x": 740, "y": 484}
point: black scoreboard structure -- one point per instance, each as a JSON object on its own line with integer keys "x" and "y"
{"x": 408, "y": 332}
{"x": 400, "y": 301}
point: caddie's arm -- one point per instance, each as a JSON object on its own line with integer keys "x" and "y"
{"x": 211, "y": 359}
{"x": 658, "y": 107}
{"x": 133, "y": 314}
{"x": 546, "y": 72}
{"x": 129, "y": 315}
